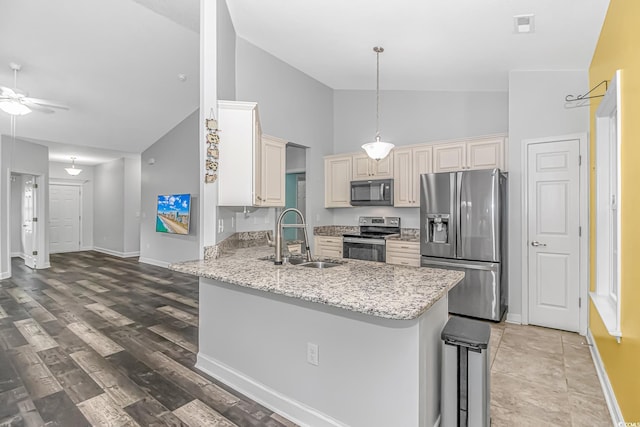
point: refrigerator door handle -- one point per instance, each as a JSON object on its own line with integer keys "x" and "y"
{"x": 458, "y": 219}
{"x": 485, "y": 266}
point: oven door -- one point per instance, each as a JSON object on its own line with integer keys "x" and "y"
{"x": 363, "y": 248}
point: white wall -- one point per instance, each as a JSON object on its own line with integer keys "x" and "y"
{"x": 15, "y": 227}
{"x": 411, "y": 117}
{"x": 293, "y": 106}
{"x": 108, "y": 232}
{"x": 536, "y": 109}
{"x": 175, "y": 171}
{"x": 86, "y": 180}
{"x": 23, "y": 157}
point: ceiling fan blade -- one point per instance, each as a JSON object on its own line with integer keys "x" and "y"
{"x": 7, "y": 92}
{"x": 38, "y": 108}
{"x": 30, "y": 102}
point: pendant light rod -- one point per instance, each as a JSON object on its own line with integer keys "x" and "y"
{"x": 378, "y": 50}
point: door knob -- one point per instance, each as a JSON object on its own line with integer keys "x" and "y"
{"x": 536, "y": 243}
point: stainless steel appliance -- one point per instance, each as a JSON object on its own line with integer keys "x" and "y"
{"x": 375, "y": 192}
{"x": 463, "y": 227}
{"x": 370, "y": 243}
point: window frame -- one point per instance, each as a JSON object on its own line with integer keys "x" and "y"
{"x": 608, "y": 122}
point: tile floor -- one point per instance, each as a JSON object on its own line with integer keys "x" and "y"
{"x": 97, "y": 340}
{"x": 543, "y": 377}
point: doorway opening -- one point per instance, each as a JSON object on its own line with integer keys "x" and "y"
{"x": 23, "y": 218}
{"x": 295, "y": 189}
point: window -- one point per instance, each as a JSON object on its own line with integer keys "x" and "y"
{"x": 607, "y": 296}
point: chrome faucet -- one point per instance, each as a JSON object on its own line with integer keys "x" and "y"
{"x": 280, "y": 226}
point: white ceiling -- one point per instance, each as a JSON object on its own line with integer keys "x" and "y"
{"x": 115, "y": 63}
{"x": 457, "y": 45}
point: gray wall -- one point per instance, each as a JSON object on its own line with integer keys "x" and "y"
{"x": 131, "y": 205}
{"x": 411, "y": 117}
{"x": 23, "y": 157}
{"x": 86, "y": 179}
{"x": 15, "y": 227}
{"x": 226, "y": 55}
{"x": 536, "y": 110}
{"x": 293, "y": 106}
{"x": 296, "y": 159}
{"x": 176, "y": 170}
{"x": 108, "y": 233}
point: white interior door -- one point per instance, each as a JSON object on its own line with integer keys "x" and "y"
{"x": 28, "y": 224}
{"x": 64, "y": 218}
{"x": 553, "y": 187}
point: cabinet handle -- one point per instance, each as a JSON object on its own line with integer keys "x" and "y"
{"x": 404, "y": 247}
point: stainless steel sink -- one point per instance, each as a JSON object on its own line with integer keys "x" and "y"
{"x": 319, "y": 264}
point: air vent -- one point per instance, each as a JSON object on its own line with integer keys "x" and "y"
{"x": 523, "y": 23}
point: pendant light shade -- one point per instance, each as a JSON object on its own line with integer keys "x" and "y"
{"x": 72, "y": 170}
{"x": 378, "y": 149}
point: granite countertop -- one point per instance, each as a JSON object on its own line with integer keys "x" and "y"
{"x": 373, "y": 288}
{"x": 404, "y": 238}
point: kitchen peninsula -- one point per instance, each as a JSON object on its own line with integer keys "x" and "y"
{"x": 357, "y": 344}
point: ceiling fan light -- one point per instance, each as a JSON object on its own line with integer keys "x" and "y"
{"x": 14, "y": 108}
{"x": 378, "y": 150}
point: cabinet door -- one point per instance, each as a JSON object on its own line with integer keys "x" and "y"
{"x": 422, "y": 163}
{"x": 382, "y": 169}
{"x": 361, "y": 167}
{"x": 449, "y": 157}
{"x": 486, "y": 154}
{"x": 272, "y": 172}
{"x": 337, "y": 182}
{"x": 403, "y": 183}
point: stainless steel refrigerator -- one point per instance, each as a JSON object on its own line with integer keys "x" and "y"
{"x": 463, "y": 220}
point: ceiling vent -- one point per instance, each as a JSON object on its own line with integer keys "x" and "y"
{"x": 523, "y": 23}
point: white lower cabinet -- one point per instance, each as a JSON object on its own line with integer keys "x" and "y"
{"x": 403, "y": 253}
{"x": 327, "y": 247}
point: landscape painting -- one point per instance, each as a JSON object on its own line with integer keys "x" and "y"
{"x": 173, "y": 213}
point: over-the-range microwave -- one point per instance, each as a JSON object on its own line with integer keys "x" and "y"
{"x": 373, "y": 192}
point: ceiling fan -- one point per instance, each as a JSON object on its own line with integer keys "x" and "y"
{"x": 17, "y": 103}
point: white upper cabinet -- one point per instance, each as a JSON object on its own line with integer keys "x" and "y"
{"x": 252, "y": 168}
{"x": 409, "y": 163}
{"x": 367, "y": 168}
{"x": 270, "y": 180}
{"x": 483, "y": 153}
{"x": 337, "y": 181}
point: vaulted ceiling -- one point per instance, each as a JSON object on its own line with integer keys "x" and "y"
{"x": 116, "y": 63}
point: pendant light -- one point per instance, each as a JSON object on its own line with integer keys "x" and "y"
{"x": 72, "y": 170}
{"x": 377, "y": 149}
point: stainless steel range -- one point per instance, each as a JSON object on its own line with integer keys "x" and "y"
{"x": 370, "y": 243}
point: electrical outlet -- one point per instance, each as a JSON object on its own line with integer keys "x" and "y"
{"x": 233, "y": 223}
{"x": 317, "y": 217}
{"x": 220, "y": 225}
{"x": 312, "y": 353}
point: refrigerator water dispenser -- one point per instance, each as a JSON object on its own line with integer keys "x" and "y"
{"x": 438, "y": 228}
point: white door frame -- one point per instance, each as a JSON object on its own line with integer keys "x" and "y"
{"x": 73, "y": 184}
{"x": 584, "y": 224}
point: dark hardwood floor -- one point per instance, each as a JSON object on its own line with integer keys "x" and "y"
{"x": 99, "y": 340}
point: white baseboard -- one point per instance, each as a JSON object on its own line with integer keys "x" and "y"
{"x": 43, "y": 266}
{"x": 609, "y": 395}
{"x": 5, "y": 275}
{"x": 86, "y": 248}
{"x": 289, "y": 408}
{"x": 17, "y": 255}
{"x": 117, "y": 253}
{"x": 514, "y": 318}
{"x": 155, "y": 262}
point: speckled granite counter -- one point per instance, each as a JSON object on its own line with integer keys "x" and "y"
{"x": 377, "y": 289}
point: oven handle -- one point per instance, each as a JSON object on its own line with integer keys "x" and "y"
{"x": 364, "y": 241}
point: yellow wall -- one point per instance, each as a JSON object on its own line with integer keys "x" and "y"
{"x": 619, "y": 48}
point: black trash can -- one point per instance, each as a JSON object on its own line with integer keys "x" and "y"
{"x": 465, "y": 373}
